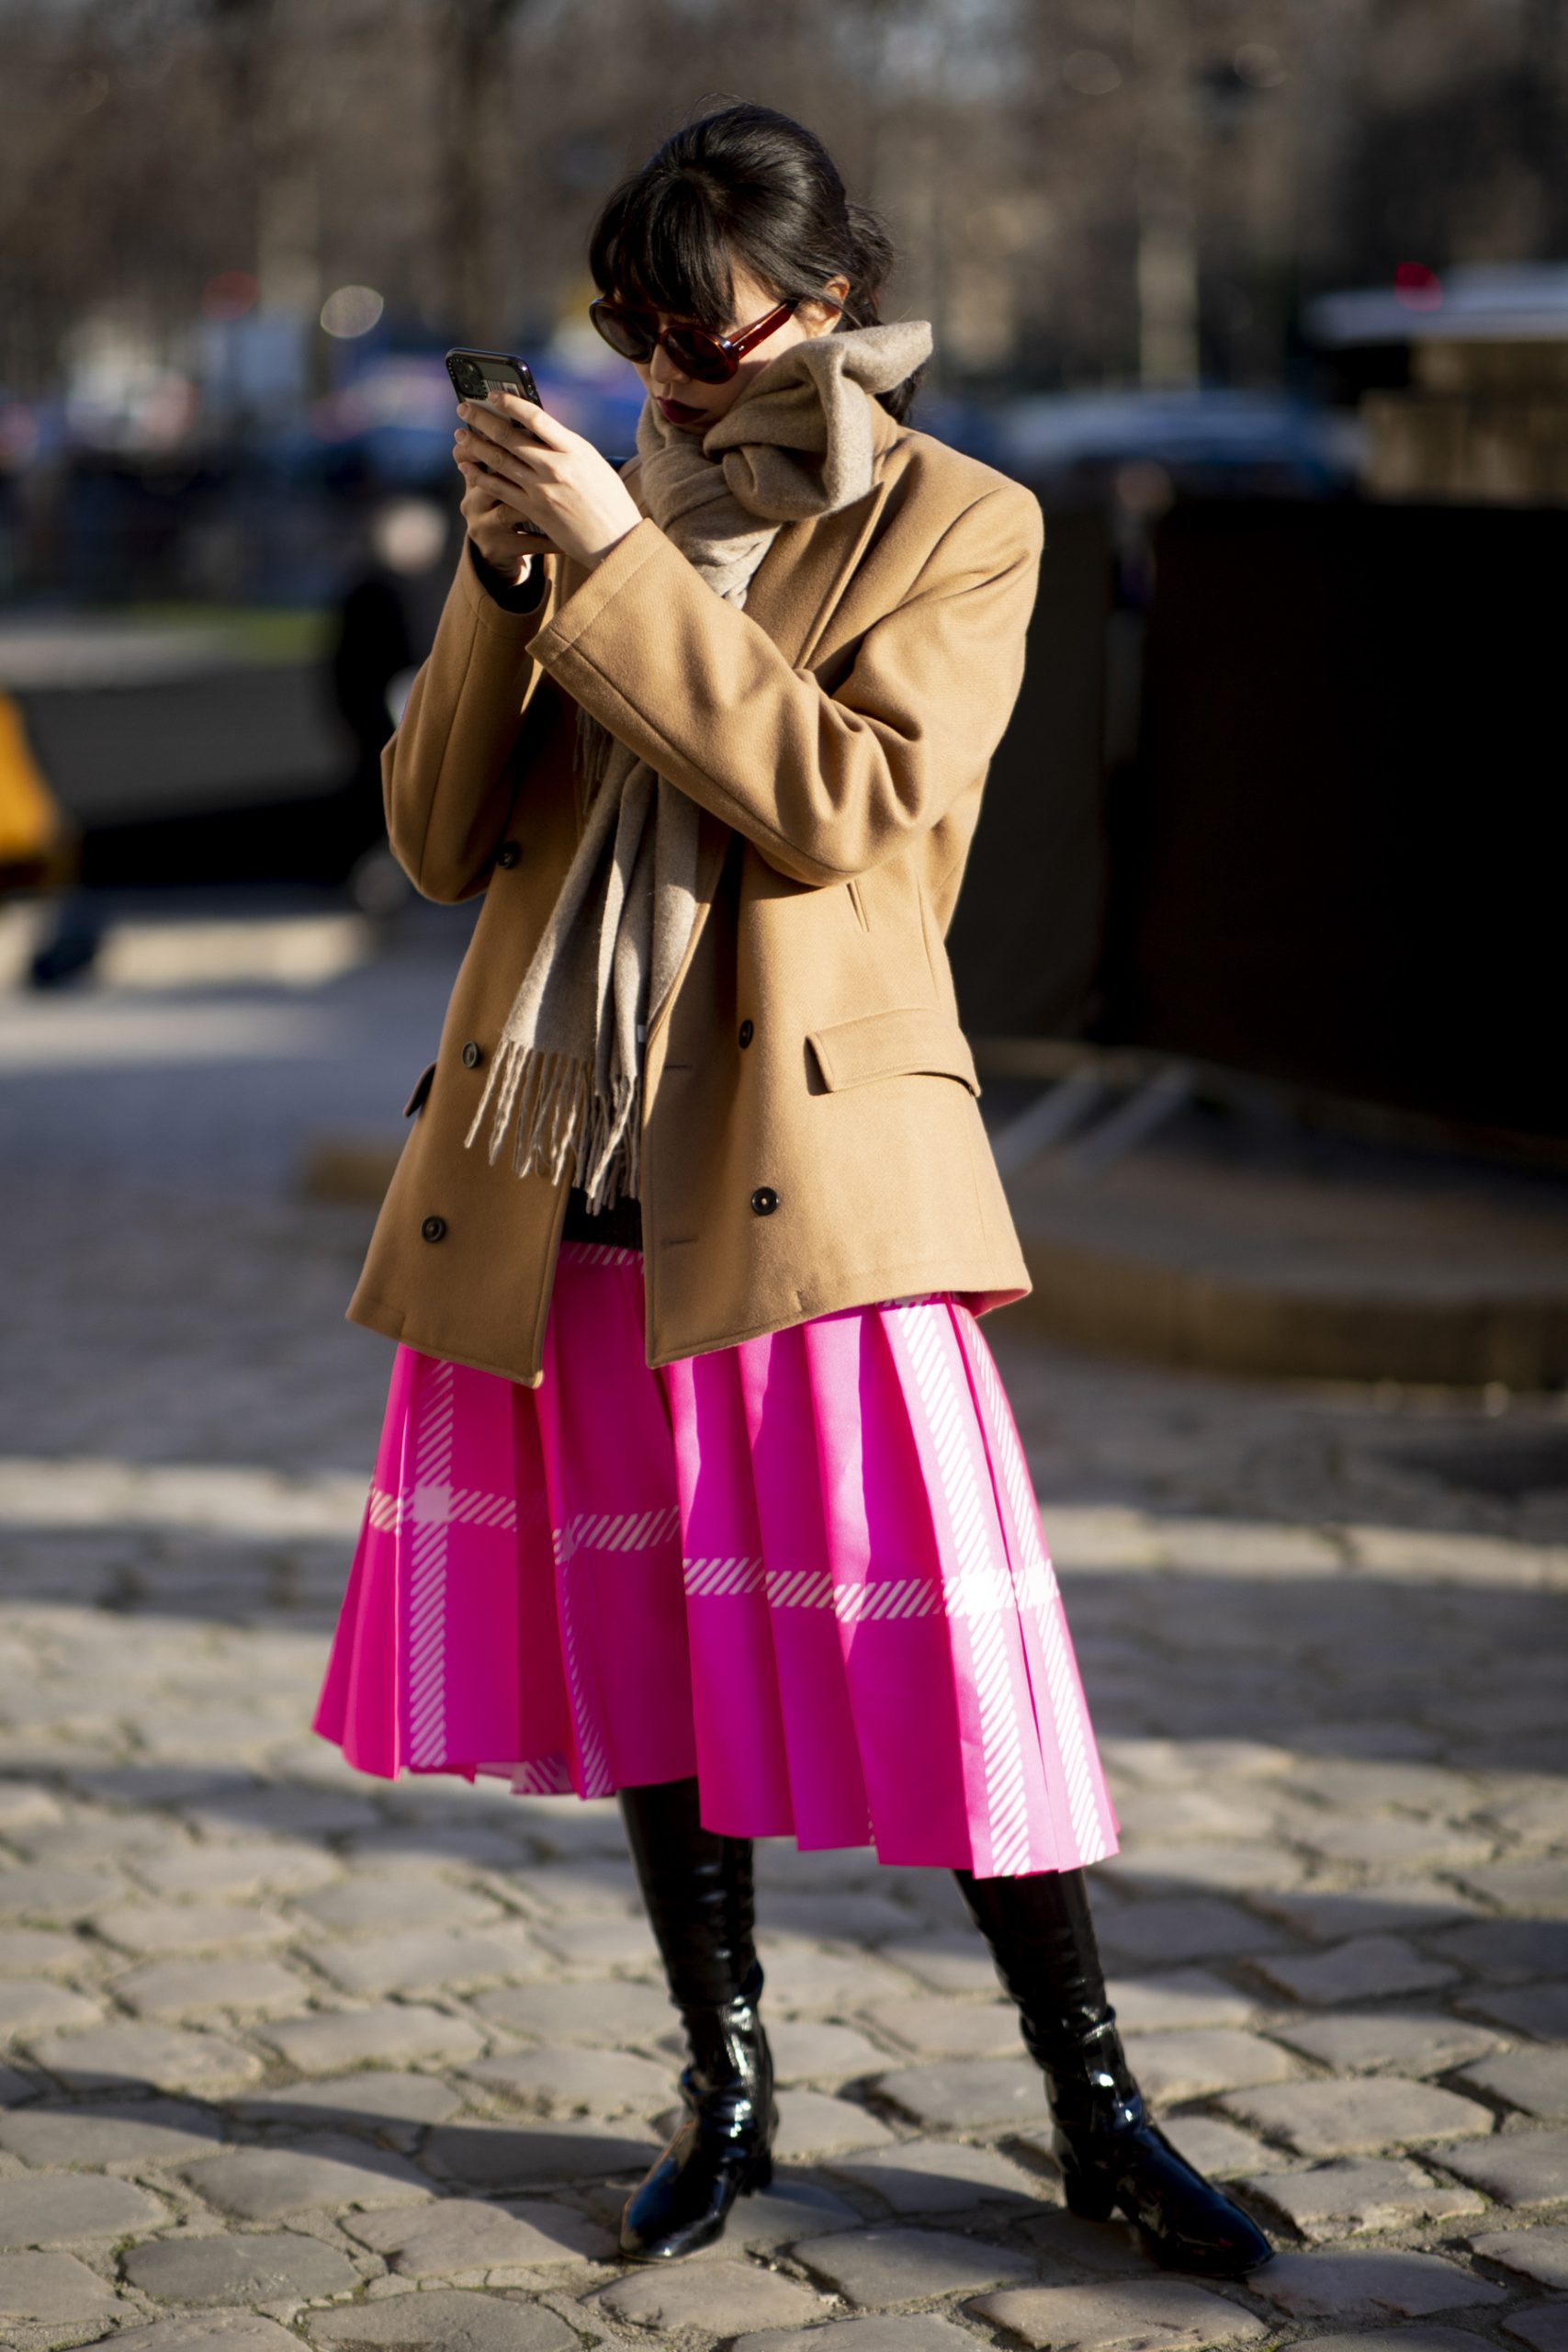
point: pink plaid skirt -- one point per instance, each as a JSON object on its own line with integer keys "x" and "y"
{"x": 807, "y": 1569}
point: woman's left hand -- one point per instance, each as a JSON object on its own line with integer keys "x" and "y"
{"x": 555, "y": 478}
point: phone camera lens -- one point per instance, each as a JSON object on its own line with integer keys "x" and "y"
{"x": 470, "y": 382}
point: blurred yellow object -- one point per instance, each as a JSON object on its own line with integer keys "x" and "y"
{"x": 36, "y": 840}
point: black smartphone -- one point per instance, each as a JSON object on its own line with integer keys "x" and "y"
{"x": 476, "y": 374}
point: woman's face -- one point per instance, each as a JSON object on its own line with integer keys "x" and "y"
{"x": 692, "y": 407}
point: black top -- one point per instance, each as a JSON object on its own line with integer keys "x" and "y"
{"x": 620, "y": 1226}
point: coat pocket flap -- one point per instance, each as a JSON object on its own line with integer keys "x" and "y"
{"x": 421, "y": 1088}
{"x": 911, "y": 1041}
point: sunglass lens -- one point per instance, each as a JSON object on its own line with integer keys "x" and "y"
{"x": 628, "y": 335}
{"x": 698, "y": 354}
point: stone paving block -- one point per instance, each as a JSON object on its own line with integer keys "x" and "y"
{"x": 1355, "y": 2118}
{"x": 812, "y": 2124}
{"x": 252, "y": 2267}
{"x": 1544, "y": 2326}
{"x": 1428, "y": 2338}
{"x": 442, "y": 2319}
{"x": 1540, "y": 2010}
{"x": 881, "y": 2266}
{"x": 1174, "y": 2066}
{"x": 372, "y": 1902}
{"x": 1214, "y": 2147}
{"x": 1121, "y": 2315}
{"x": 1163, "y": 1931}
{"x": 27, "y": 2003}
{"x": 172, "y": 2058}
{"x": 213, "y": 2331}
{"x": 1508, "y": 1950}
{"x": 1539, "y": 1888}
{"x": 723, "y": 2298}
{"x": 1367, "y": 1968}
{"x": 803, "y": 1976}
{"x": 1391, "y": 1841}
{"x": 602, "y": 1885}
{"x": 41, "y": 1952}
{"x": 1383, "y": 2044}
{"x": 495, "y": 2157}
{"x": 267, "y": 1867}
{"x": 325, "y": 2044}
{"x": 810, "y": 2050}
{"x": 1369, "y": 2284}
{"x": 425, "y": 1960}
{"x": 1064, "y": 2247}
{"x": 1540, "y": 2254}
{"x": 463, "y": 2233}
{"x": 940, "y": 2177}
{"x": 369, "y": 2101}
{"x": 1534, "y": 2081}
{"x": 1343, "y": 2200}
{"x": 599, "y": 1943}
{"x": 576, "y": 2082}
{"x": 1181, "y": 1999}
{"x": 41, "y": 1891}
{"x": 1226, "y": 1868}
{"x": 137, "y": 2131}
{"x": 919, "y": 2332}
{"x": 202, "y": 1988}
{"x": 966, "y": 2093}
{"x": 837, "y": 1914}
{"x": 939, "y": 2027}
{"x": 951, "y": 1961}
{"x": 155, "y": 1929}
{"x": 1518, "y": 2169}
{"x": 791, "y": 2210}
{"x": 265, "y": 2184}
{"x": 67, "y": 2206}
{"x": 1333, "y": 1917}
{"x": 55, "y": 2290}
{"x": 606, "y": 2015}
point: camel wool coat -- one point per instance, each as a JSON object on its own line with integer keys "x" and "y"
{"x": 811, "y": 1137}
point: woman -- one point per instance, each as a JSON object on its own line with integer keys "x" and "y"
{"x": 697, "y": 1482}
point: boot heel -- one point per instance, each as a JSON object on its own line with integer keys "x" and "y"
{"x": 759, "y": 2174}
{"x": 1091, "y": 2199}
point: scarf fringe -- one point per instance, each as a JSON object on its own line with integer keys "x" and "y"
{"x": 561, "y": 1125}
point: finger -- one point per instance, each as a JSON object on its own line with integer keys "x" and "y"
{"x": 504, "y": 463}
{"x": 536, "y": 421}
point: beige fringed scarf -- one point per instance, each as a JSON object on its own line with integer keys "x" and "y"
{"x": 567, "y": 1072}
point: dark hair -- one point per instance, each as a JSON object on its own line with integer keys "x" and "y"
{"x": 757, "y": 186}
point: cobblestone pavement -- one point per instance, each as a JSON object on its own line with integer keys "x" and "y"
{"x": 295, "y": 2053}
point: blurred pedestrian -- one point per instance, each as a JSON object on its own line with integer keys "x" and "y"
{"x": 697, "y": 1484}
{"x": 386, "y": 625}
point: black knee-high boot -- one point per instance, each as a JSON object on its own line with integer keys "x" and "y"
{"x": 1110, "y": 2154}
{"x": 697, "y": 1887}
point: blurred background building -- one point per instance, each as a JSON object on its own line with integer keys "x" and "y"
{"x": 1267, "y": 300}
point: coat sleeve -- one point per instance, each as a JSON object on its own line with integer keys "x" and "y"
{"x": 826, "y": 786}
{"x": 446, "y": 775}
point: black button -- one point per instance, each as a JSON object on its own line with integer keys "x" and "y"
{"x": 433, "y": 1228}
{"x": 764, "y": 1201}
{"x": 508, "y": 854}
{"x": 472, "y": 1056}
{"x": 747, "y": 1033}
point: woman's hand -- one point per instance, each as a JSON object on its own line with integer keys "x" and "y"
{"x": 542, "y": 475}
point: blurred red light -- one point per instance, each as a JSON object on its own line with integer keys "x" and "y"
{"x": 229, "y": 295}
{"x": 1417, "y": 287}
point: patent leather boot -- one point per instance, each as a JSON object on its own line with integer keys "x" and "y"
{"x": 1112, "y": 2155}
{"x": 698, "y": 1889}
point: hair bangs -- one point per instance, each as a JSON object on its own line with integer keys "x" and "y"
{"x": 661, "y": 243}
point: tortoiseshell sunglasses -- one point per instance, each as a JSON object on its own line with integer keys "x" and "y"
{"x": 636, "y": 334}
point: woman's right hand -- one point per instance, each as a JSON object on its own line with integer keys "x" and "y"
{"x": 506, "y": 545}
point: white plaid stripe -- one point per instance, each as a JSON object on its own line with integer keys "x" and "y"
{"x": 428, "y": 1576}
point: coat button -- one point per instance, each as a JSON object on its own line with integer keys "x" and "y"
{"x": 764, "y": 1201}
{"x": 472, "y": 1056}
{"x": 508, "y": 854}
{"x": 433, "y": 1228}
{"x": 747, "y": 1033}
